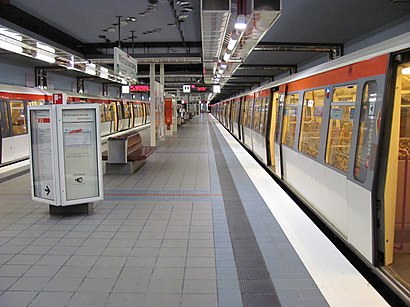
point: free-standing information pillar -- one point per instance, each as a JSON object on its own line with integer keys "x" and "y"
{"x": 65, "y": 156}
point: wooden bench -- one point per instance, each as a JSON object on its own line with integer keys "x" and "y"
{"x": 126, "y": 154}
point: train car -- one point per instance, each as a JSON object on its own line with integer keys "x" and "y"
{"x": 338, "y": 135}
{"x": 116, "y": 115}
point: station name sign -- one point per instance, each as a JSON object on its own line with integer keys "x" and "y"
{"x": 124, "y": 65}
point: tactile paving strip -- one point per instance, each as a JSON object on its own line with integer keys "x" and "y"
{"x": 256, "y": 288}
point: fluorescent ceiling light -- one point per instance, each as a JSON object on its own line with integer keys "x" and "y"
{"x": 44, "y": 57}
{"x": 90, "y": 71}
{"x": 9, "y": 34}
{"x": 240, "y": 23}
{"x": 103, "y": 72}
{"x": 405, "y": 71}
{"x": 10, "y": 47}
{"x": 45, "y": 48}
{"x": 224, "y": 65}
{"x": 227, "y": 55}
{"x": 232, "y": 41}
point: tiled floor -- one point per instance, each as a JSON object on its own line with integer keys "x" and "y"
{"x": 160, "y": 238}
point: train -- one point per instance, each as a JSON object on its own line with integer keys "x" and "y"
{"x": 337, "y": 135}
{"x": 116, "y": 114}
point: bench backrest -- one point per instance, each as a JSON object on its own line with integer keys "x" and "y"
{"x": 134, "y": 142}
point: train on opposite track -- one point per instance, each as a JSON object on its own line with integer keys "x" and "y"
{"x": 116, "y": 114}
{"x": 338, "y": 136}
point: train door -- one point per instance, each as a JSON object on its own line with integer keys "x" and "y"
{"x": 272, "y": 123}
{"x": 397, "y": 181}
{"x": 278, "y": 135}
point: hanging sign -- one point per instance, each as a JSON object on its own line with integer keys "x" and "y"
{"x": 124, "y": 65}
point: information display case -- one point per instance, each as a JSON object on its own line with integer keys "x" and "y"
{"x": 65, "y": 159}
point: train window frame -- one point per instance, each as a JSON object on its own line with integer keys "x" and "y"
{"x": 5, "y": 119}
{"x": 15, "y": 129}
{"x": 285, "y": 125}
{"x": 263, "y": 115}
{"x": 337, "y": 155}
{"x": 305, "y": 146}
{"x": 366, "y": 127}
{"x": 256, "y": 114}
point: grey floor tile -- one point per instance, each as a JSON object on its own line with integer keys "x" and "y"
{"x": 42, "y": 271}
{"x": 51, "y": 299}
{"x": 136, "y": 273}
{"x": 24, "y": 259}
{"x": 165, "y": 286}
{"x": 69, "y": 271}
{"x": 140, "y": 262}
{"x": 168, "y": 273}
{"x": 88, "y": 299}
{"x": 161, "y": 300}
{"x": 63, "y": 284}
{"x": 104, "y": 272}
{"x": 104, "y": 285}
{"x": 200, "y": 286}
{"x": 131, "y": 286}
{"x": 13, "y": 270}
{"x": 199, "y": 300}
{"x": 30, "y": 283}
{"x": 17, "y": 298}
{"x": 200, "y": 273}
{"x": 125, "y": 300}
{"x": 82, "y": 261}
{"x": 53, "y": 260}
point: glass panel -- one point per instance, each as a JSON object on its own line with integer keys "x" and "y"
{"x": 18, "y": 117}
{"x": 108, "y": 112}
{"x": 290, "y": 119}
{"x": 102, "y": 113}
{"x": 4, "y": 120}
{"x": 256, "y": 115}
{"x": 120, "y": 111}
{"x": 127, "y": 110}
{"x": 313, "y": 102}
{"x": 366, "y": 126}
{"x": 264, "y": 108}
{"x": 340, "y": 126}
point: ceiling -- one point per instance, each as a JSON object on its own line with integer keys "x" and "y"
{"x": 305, "y": 27}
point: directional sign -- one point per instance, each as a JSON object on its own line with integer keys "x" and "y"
{"x": 186, "y": 88}
{"x": 47, "y": 189}
{"x": 372, "y": 108}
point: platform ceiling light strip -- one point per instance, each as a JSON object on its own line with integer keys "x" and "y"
{"x": 10, "y": 34}
{"x": 45, "y": 47}
{"x": 44, "y": 57}
{"x": 11, "y": 47}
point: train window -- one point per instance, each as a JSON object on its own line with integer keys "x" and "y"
{"x": 127, "y": 110}
{"x": 366, "y": 127}
{"x": 264, "y": 110}
{"x": 311, "y": 122}
{"x": 340, "y": 126}
{"x": 109, "y": 112}
{"x": 289, "y": 119}
{"x": 102, "y": 113}
{"x": 120, "y": 110}
{"x": 257, "y": 114}
{"x": 4, "y": 120}
{"x": 18, "y": 117}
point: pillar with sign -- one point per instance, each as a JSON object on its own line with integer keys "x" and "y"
{"x": 65, "y": 159}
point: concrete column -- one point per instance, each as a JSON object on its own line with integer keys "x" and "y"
{"x": 152, "y": 103}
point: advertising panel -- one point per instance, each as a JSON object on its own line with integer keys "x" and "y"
{"x": 41, "y": 154}
{"x": 80, "y": 153}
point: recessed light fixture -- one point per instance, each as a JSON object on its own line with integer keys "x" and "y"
{"x": 131, "y": 19}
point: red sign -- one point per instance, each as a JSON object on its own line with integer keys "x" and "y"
{"x": 44, "y": 120}
{"x": 58, "y": 99}
{"x": 139, "y": 88}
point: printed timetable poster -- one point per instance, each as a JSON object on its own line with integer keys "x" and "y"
{"x": 80, "y": 153}
{"x": 41, "y": 151}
